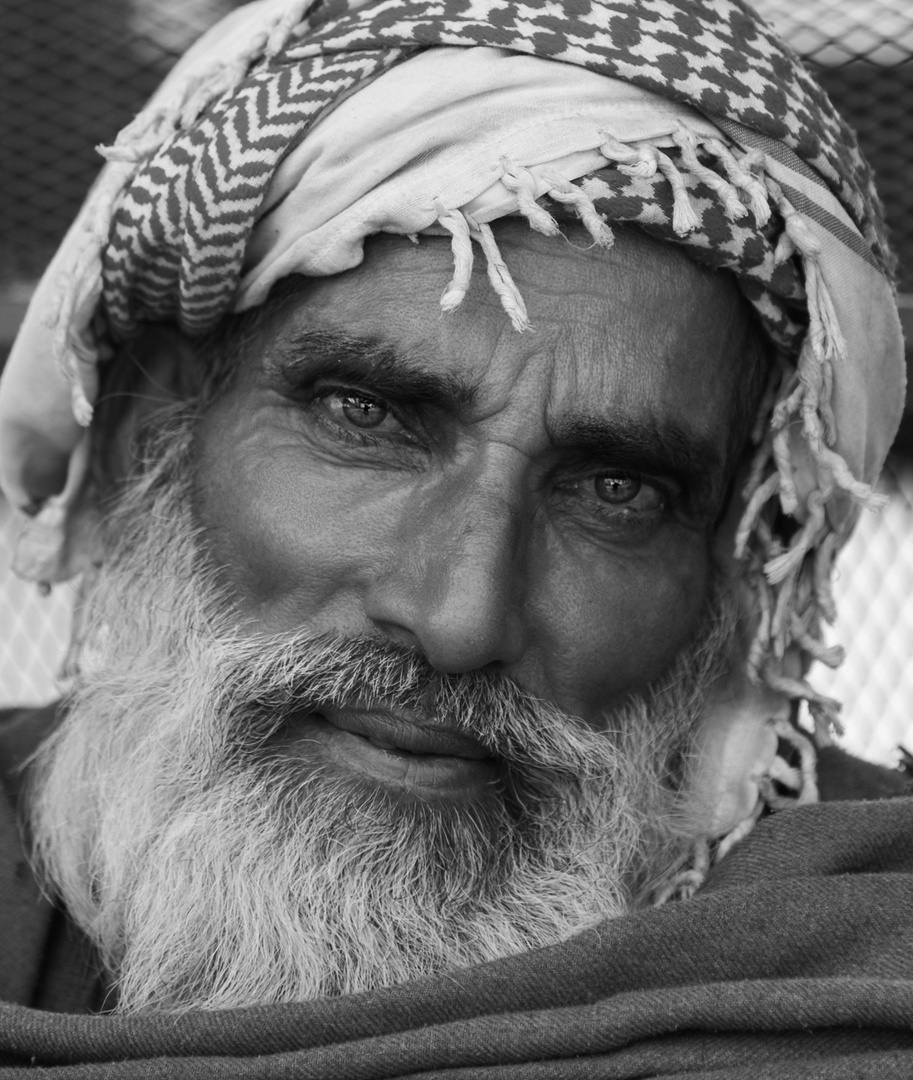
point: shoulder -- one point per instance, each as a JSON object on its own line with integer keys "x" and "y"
{"x": 21, "y": 732}
{"x": 842, "y": 777}
{"x": 45, "y": 962}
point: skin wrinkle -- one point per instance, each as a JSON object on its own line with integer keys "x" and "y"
{"x": 396, "y": 537}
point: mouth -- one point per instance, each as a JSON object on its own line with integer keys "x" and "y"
{"x": 399, "y": 750}
{"x": 396, "y": 733}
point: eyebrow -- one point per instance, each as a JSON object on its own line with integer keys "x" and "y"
{"x": 316, "y": 353}
{"x": 663, "y": 448}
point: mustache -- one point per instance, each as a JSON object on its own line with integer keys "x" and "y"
{"x": 274, "y": 679}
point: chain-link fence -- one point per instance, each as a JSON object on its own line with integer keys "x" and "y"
{"x": 72, "y": 74}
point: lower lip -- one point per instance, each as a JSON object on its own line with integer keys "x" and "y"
{"x": 423, "y": 774}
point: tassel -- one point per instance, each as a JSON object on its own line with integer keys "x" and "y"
{"x": 740, "y": 176}
{"x": 824, "y": 590}
{"x": 284, "y": 27}
{"x": 756, "y": 504}
{"x": 634, "y": 161}
{"x": 563, "y": 191}
{"x": 799, "y": 690}
{"x": 521, "y": 181}
{"x": 733, "y": 206}
{"x": 461, "y": 246}
{"x": 831, "y": 656}
{"x": 502, "y": 282}
{"x": 777, "y": 569}
{"x": 684, "y": 217}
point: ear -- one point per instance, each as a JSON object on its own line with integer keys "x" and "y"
{"x": 737, "y": 742}
{"x": 157, "y": 368}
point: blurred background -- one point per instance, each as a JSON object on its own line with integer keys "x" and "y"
{"x": 71, "y": 75}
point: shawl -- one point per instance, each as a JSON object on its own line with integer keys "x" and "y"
{"x": 793, "y": 960}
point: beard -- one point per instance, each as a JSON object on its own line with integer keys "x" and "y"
{"x": 211, "y": 869}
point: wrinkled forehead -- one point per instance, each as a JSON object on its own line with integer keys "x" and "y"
{"x": 607, "y": 295}
{"x": 637, "y": 334}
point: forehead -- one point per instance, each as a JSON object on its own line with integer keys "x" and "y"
{"x": 637, "y": 332}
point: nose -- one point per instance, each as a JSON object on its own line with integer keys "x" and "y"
{"x": 455, "y": 582}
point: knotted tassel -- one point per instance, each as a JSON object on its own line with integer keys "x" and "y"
{"x": 502, "y": 282}
{"x": 634, "y": 160}
{"x": 284, "y": 27}
{"x": 461, "y": 246}
{"x": 733, "y": 207}
{"x": 741, "y": 176}
{"x": 523, "y": 184}
{"x": 684, "y": 216}
{"x": 563, "y": 191}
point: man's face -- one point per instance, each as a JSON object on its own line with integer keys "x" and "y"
{"x": 418, "y": 518}
{"x": 537, "y": 504}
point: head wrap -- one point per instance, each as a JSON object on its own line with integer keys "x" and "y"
{"x": 294, "y": 130}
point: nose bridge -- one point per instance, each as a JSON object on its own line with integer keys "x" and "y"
{"x": 458, "y": 582}
{"x": 479, "y": 548}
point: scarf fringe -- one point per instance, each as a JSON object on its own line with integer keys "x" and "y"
{"x": 564, "y": 191}
{"x": 461, "y": 245}
{"x": 794, "y": 584}
{"x": 501, "y": 281}
{"x": 523, "y": 184}
{"x": 783, "y": 786}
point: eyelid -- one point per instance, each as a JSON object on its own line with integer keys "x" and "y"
{"x": 669, "y": 488}
{"x": 325, "y": 388}
{"x": 408, "y": 437}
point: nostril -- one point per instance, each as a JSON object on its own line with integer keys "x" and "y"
{"x": 397, "y": 633}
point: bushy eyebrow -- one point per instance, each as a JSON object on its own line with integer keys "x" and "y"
{"x": 662, "y": 448}
{"x": 316, "y": 353}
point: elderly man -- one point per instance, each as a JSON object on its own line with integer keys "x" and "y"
{"x": 453, "y": 412}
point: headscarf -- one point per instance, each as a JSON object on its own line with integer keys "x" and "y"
{"x": 293, "y": 131}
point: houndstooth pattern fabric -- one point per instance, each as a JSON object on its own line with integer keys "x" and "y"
{"x": 178, "y": 237}
{"x": 773, "y": 285}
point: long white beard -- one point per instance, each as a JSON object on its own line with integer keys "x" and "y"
{"x": 211, "y": 870}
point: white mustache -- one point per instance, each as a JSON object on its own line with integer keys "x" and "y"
{"x": 277, "y": 678}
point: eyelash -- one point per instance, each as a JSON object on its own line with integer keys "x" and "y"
{"x": 350, "y": 436}
{"x": 622, "y": 517}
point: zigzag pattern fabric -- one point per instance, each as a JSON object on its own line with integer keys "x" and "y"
{"x": 184, "y": 222}
{"x": 178, "y": 237}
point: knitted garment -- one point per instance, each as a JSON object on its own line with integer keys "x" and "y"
{"x": 727, "y": 148}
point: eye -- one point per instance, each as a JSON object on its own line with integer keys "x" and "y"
{"x": 356, "y": 410}
{"x": 627, "y": 492}
{"x": 359, "y": 410}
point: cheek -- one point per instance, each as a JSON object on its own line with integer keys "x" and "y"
{"x": 290, "y": 542}
{"x": 613, "y": 628}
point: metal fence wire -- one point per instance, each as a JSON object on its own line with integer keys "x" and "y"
{"x": 71, "y": 75}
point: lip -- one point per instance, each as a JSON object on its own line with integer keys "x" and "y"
{"x": 395, "y": 732}
{"x": 396, "y": 750}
